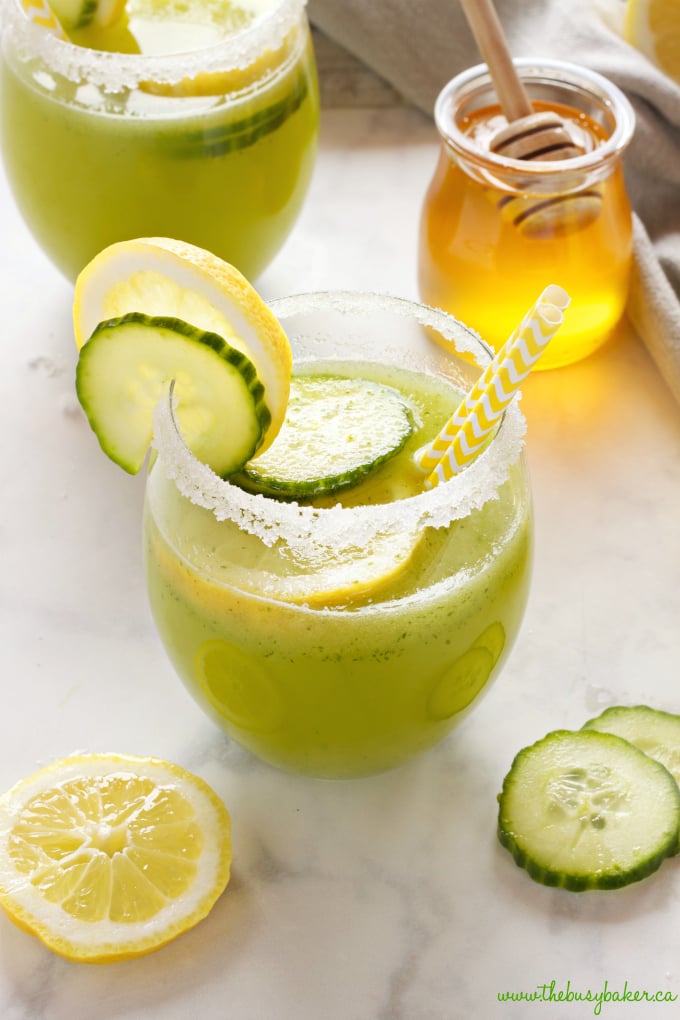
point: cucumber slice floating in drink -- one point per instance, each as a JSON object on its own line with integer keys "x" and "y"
{"x": 127, "y": 365}
{"x": 588, "y": 810}
{"x": 336, "y": 432}
{"x": 234, "y": 134}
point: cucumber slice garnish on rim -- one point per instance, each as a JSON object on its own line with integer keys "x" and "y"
{"x": 127, "y": 365}
{"x": 588, "y": 810}
{"x": 336, "y": 432}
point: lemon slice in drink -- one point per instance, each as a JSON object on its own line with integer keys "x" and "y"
{"x": 192, "y": 25}
{"x": 154, "y": 278}
{"x": 226, "y": 560}
{"x": 653, "y": 27}
{"x": 222, "y": 83}
{"x": 106, "y": 857}
{"x": 319, "y": 577}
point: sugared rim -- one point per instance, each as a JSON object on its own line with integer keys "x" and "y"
{"x": 560, "y": 72}
{"x": 340, "y": 526}
{"x": 113, "y": 71}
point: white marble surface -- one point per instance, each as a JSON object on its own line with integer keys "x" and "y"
{"x": 380, "y": 899}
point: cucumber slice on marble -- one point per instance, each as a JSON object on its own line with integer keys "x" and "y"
{"x": 125, "y": 368}
{"x": 655, "y": 732}
{"x": 336, "y": 432}
{"x": 588, "y": 810}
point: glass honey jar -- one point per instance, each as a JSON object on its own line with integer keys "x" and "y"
{"x": 496, "y": 231}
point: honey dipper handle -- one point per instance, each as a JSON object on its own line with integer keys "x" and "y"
{"x": 490, "y": 38}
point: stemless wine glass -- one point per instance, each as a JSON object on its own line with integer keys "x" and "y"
{"x": 213, "y": 145}
{"x": 341, "y": 640}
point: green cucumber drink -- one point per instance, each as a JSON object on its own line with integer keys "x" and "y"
{"x": 339, "y": 635}
{"x": 214, "y": 144}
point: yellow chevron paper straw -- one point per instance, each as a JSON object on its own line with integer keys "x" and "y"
{"x": 40, "y": 12}
{"x": 429, "y": 456}
{"x": 460, "y": 440}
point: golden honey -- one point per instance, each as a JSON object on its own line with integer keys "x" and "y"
{"x": 495, "y": 232}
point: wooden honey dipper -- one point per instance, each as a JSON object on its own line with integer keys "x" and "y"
{"x": 528, "y": 135}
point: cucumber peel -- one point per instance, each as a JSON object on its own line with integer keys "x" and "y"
{"x": 125, "y": 368}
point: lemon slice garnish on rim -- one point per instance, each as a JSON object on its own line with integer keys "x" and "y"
{"x": 106, "y": 857}
{"x": 653, "y": 27}
{"x": 319, "y": 577}
{"x": 154, "y": 279}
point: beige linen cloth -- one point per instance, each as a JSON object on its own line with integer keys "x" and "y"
{"x": 418, "y": 45}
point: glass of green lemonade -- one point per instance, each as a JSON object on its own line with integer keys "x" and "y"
{"x": 184, "y": 118}
{"x": 342, "y": 635}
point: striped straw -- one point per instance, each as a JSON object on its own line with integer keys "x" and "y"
{"x": 466, "y": 431}
{"x": 40, "y": 12}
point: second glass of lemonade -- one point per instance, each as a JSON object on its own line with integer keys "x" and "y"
{"x": 192, "y": 120}
{"x": 341, "y": 636}
{"x": 496, "y": 231}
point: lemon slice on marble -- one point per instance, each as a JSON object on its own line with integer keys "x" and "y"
{"x": 160, "y": 278}
{"x": 653, "y": 27}
{"x": 106, "y": 857}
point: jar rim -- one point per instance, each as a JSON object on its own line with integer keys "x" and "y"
{"x": 114, "y": 71}
{"x": 531, "y": 70}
